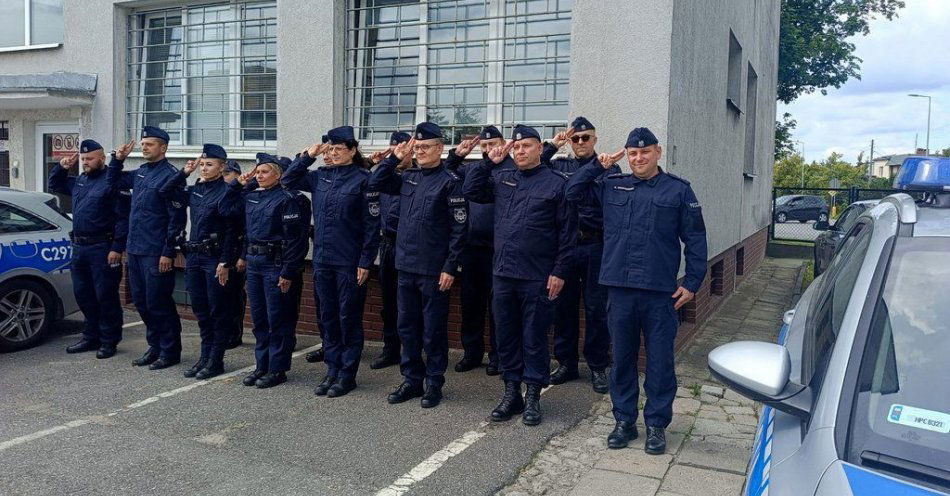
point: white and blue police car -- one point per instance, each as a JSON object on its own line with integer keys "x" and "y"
{"x": 856, "y": 392}
{"x": 36, "y": 288}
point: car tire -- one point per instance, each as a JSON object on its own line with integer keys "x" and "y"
{"x": 26, "y": 311}
{"x": 781, "y": 218}
{"x": 822, "y": 217}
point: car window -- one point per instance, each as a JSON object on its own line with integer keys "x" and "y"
{"x": 782, "y": 200}
{"x": 902, "y": 407}
{"x": 848, "y": 217}
{"x": 16, "y": 220}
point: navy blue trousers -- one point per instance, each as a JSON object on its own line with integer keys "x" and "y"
{"x": 523, "y": 315}
{"x": 96, "y": 287}
{"x": 341, "y": 312}
{"x": 423, "y": 326}
{"x": 388, "y": 282}
{"x": 152, "y": 294}
{"x": 584, "y": 276}
{"x": 629, "y": 311}
{"x": 236, "y": 302}
{"x": 274, "y": 314}
{"x": 209, "y": 303}
{"x": 476, "y": 302}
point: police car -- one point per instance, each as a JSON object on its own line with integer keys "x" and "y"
{"x": 35, "y": 283}
{"x": 856, "y": 393}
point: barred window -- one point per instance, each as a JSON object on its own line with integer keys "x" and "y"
{"x": 205, "y": 74}
{"x": 460, "y": 63}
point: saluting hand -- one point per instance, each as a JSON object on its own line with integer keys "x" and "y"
{"x": 499, "y": 153}
{"x": 361, "y": 276}
{"x": 555, "y": 285}
{"x": 315, "y": 150}
{"x": 190, "y": 167}
{"x": 683, "y": 296}
{"x": 68, "y": 162}
{"x": 378, "y": 157}
{"x": 607, "y": 160}
{"x": 283, "y": 284}
{"x": 445, "y": 281}
{"x": 563, "y": 137}
{"x": 246, "y": 177}
{"x": 164, "y": 264}
{"x": 123, "y": 151}
{"x": 466, "y": 146}
{"x": 404, "y": 149}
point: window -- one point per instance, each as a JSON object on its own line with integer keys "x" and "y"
{"x": 205, "y": 74}
{"x": 4, "y": 154}
{"x": 740, "y": 261}
{"x": 751, "y": 93}
{"x": 15, "y": 220}
{"x": 717, "y": 278}
{"x": 460, "y": 63}
{"x": 735, "y": 73}
{"x": 26, "y": 23}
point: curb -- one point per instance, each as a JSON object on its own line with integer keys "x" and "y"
{"x": 799, "y": 279}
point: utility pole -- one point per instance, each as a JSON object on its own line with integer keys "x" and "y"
{"x": 929, "y": 100}
{"x": 871, "y": 162}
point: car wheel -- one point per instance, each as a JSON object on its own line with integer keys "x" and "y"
{"x": 781, "y": 218}
{"x": 26, "y": 311}
{"x": 822, "y": 217}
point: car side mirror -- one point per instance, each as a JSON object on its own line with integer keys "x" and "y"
{"x": 821, "y": 225}
{"x": 759, "y": 371}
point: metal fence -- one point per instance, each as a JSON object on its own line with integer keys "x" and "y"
{"x": 796, "y": 210}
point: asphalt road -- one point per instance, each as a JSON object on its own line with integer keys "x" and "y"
{"x": 71, "y": 424}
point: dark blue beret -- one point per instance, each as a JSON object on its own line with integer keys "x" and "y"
{"x": 154, "y": 132}
{"x": 641, "y": 137}
{"x": 267, "y": 158}
{"x": 211, "y": 150}
{"x": 342, "y": 134}
{"x": 232, "y": 166}
{"x": 89, "y": 146}
{"x": 428, "y": 130}
{"x": 324, "y": 139}
{"x": 399, "y": 137}
{"x": 490, "y": 132}
{"x": 284, "y": 162}
{"x": 582, "y": 124}
{"x": 521, "y": 132}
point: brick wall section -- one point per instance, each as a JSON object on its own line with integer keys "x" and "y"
{"x": 691, "y": 316}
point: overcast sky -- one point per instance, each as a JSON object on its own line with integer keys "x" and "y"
{"x": 910, "y": 54}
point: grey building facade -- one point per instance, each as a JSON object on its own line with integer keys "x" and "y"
{"x": 273, "y": 75}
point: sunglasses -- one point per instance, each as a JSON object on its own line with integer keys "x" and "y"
{"x": 421, "y": 147}
{"x": 582, "y": 138}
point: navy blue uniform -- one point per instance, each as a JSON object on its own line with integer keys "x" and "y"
{"x": 277, "y": 222}
{"x": 476, "y": 287}
{"x": 100, "y": 225}
{"x": 534, "y": 238}
{"x": 582, "y": 278}
{"x": 155, "y": 224}
{"x": 214, "y": 210}
{"x": 388, "y": 276}
{"x": 345, "y": 236}
{"x": 430, "y": 239}
{"x": 644, "y": 222}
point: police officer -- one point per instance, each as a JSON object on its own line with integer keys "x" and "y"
{"x": 389, "y": 222}
{"x": 235, "y": 285}
{"x": 646, "y": 215}
{"x": 155, "y": 224}
{"x": 317, "y": 355}
{"x": 534, "y": 238}
{"x": 585, "y": 270}
{"x": 477, "y": 260}
{"x": 209, "y": 254}
{"x": 345, "y": 245}
{"x": 277, "y": 221}
{"x": 100, "y": 227}
{"x": 429, "y": 243}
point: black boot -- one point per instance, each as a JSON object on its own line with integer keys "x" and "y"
{"x": 466, "y": 364}
{"x": 200, "y": 364}
{"x": 106, "y": 351}
{"x": 432, "y": 396}
{"x": 164, "y": 363}
{"x": 341, "y": 388}
{"x": 324, "y": 386}
{"x": 314, "y": 356}
{"x": 511, "y": 403}
{"x": 406, "y": 391}
{"x": 492, "y": 368}
{"x": 656, "y": 441}
{"x": 82, "y": 346}
{"x": 563, "y": 373}
{"x": 532, "y": 405}
{"x": 146, "y": 359}
{"x": 270, "y": 380}
{"x": 598, "y": 381}
{"x": 211, "y": 369}
{"x": 234, "y": 343}
{"x": 623, "y": 433}
{"x": 251, "y": 379}
{"x": 384, "y": 360}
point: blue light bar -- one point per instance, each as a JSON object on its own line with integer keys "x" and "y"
{"x": 924, "y": 173}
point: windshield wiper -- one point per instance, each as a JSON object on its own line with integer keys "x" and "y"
{"x": 921, "y": 473}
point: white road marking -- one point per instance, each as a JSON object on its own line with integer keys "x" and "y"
{"x": 132, "y": 324}
{"x": 138, "y": 404}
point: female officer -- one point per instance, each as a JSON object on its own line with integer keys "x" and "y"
{"x": 214, "y": 210}
{"x": 345, "y": 242}
{"x": 275, "y": 247}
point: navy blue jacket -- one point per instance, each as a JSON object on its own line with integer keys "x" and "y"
{"x": 157, "y": 219}
{"x": 277, "y": 215}
{"x": 99, "y": 208}
{"x": 214, "y": 208}
{"x": 534, "y": 227}
{"x": 644, "y": 222}
{"x": 433, "y": 216}
{"x": 590, "y": 213}
{"x": 389, "y": 213}
{"x": 345, "y": 212}
{"x": 481, "y": 216}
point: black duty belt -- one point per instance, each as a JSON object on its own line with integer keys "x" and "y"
{"x": 273, "y": 250}
{"x": 79, "y": 239}
{"x": 590, "y": 235}
{"x": 203, "y": 247}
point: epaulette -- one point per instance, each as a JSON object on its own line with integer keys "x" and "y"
{"x": 680, "y": 179}
{"x": 561, "y": 174}
{"x": 364, "y": 170}
{"x": 619, "y": 174}
{"x": 452, "y": 174}
{"x": 172, "y": 168}
{"x": 414, "y": 168}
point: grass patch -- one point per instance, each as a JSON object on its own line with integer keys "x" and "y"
{"x": 791, "y": 242}
{"x": 695, "y": 389}
{"x": 809, "y": 274}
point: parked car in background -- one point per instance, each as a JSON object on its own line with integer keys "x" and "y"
{"x": 827, "y": 242}
{"x": 36, "y": 286}
{"x": 802, "y": 208}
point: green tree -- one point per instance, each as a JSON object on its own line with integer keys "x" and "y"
{"x": 942, "y": 153}
{"x": 783, "y": 136}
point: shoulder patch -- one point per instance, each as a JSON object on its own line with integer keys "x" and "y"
{"x": 680, "y": 179}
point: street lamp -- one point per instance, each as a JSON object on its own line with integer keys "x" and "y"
{"x": 915, "y": 95}
{"x": 803, "y": 160}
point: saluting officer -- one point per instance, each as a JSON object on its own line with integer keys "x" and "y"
{"x": 345, "y": 244}
{"x": 100, "y": 227}
{"x": 277, "y": 221}
{"x": 476, "y": 278}
{"x": 235, "y": 285}
{"x": 155, "y": 224}
{"x": 429, "y": 243}
{"x": 389, "y": 222}
{"x": 209, "y": 253}
{"x": 646, "y": 215}
{"x": 585, "y": 269}
{"x": 534, "y": 238}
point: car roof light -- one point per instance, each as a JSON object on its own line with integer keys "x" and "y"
{"x": 924, "y": 173}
